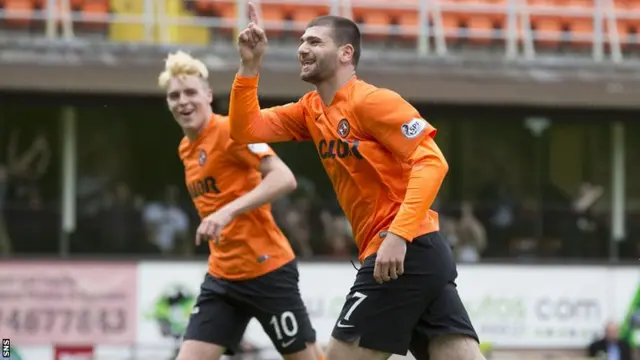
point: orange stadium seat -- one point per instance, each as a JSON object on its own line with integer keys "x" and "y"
{"x": 581, "y": 32}
{"x": 546, "y": 26}
{"x": 18, "y": 13}
{"x": 408, "y": 22}
{"x": 628, "y": 28}
{"x": 574, "y": 28}
{"x": 274, "y": 17}
{"x": 76, "y": 5}
{"x": 375, "y": 16}
{"x": 302, "y": 13}
{"x": 204, "y": 7}
{"x": 382, "y": 20}
{"x": 93, "y": 8}
{"x": 224, "y": 10}
{"x": 479, "y": 24}
{"x": 454, "y": 19}
{"x": 42, "y": 5}
{"x": 581, "y": 25}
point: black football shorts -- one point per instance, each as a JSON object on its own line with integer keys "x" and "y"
{"x": 224, "y": 308}
{"x": 405, "y": 314}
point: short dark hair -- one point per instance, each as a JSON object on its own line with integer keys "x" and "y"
{"x": 345, "y": 31}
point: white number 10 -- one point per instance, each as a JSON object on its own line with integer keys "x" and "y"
{"x": 287, "y": 324}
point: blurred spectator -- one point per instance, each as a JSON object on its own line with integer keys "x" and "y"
{"x": 26, "y": 167}
{"x": 471, "y": 235}
{"x": 119, "y": 222}
{"x": 523, "y": 244}
{"x": 100, "y": 163}
{"x": 448, "y": 229}
{"x": 167, "y": 225}
{"x": 583, "y": 228}
{"x": 610, "y": 347}
{"x": 302, "y": 222}
{"x": 337, "y": 232}
{"x": 31, "y": 223}
{"x": 497, "y": 209}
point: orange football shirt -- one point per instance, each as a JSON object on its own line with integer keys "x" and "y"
{"x": 376, "y": 148}
{"x": 217, "y": 171}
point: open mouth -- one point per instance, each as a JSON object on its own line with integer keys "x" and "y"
{"x": 306, "y": 64}
{"x": 187, "y": 112}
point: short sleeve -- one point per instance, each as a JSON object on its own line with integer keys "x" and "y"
{"x": 393, "y": 122}
{"x": 251, "y": 154}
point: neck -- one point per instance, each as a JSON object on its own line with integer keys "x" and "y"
{"x": 328, "y": 88}
{"x": 193, "y": 133}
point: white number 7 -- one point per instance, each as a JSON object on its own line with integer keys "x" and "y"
{"x": 360, "y": 298}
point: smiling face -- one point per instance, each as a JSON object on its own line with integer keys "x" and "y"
{"x": 329, "y": 48}
{"x": 189, "y": 98}
{"x": 318, "y": 54}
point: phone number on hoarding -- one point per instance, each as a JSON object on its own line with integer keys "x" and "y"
{"x": 33, "y": 321}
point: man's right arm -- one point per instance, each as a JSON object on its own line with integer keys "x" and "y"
{"x": 249, "y": 124}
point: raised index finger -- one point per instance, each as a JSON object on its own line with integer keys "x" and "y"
{"x": 253, "y": 13}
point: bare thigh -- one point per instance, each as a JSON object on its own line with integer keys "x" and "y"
{"x": 199, "y": 350}
{"x": 306, "y": 354}
{"x": 340, "y": 350}
{"x": 454, "y": 347}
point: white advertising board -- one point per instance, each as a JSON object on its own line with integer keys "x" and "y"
{"x": 510, "y": 306}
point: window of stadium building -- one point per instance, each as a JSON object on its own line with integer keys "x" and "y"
{"x": 510, "y": 192}
{"x": 29, "y": 179}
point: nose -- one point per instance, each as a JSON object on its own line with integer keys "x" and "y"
{"x": 182, "y": 99}
{"x": 303, "y": 49}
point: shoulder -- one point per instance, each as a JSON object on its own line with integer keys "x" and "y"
{"x": 309, "y": 97}
{"x": 221, "y": 122}
{"x": 183, "y": 147}
{"x": 365, "y": 94}
{"x": 220, "y": 133}
{"x": 308, "y": 100}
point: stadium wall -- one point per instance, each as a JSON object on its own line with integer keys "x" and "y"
{"x": 469, "y": 84}
{"x": 132, "y": 310}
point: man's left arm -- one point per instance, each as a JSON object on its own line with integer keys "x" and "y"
{"x": 277, "y": 178}
{"x": 398, "y": 126}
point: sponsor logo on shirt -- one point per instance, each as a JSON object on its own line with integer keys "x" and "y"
{"x": 259, "y": 148}
{"x": 414, "y": 128}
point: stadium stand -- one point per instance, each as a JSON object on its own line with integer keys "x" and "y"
{"x": 539, "y": 24}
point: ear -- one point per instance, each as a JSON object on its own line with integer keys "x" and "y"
{"x": 209, "y": 93}
{"x": 346, "y": 53}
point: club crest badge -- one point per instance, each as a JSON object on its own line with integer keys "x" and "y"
{"x": 344, "y": 128}
{"x": 202, "y": 157}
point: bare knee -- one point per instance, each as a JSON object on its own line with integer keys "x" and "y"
{"x": 454, "y": 347}
{"x": 340, "y": 350}
{"x": 316, "y": 350}
{"x": 199, "y": 350}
